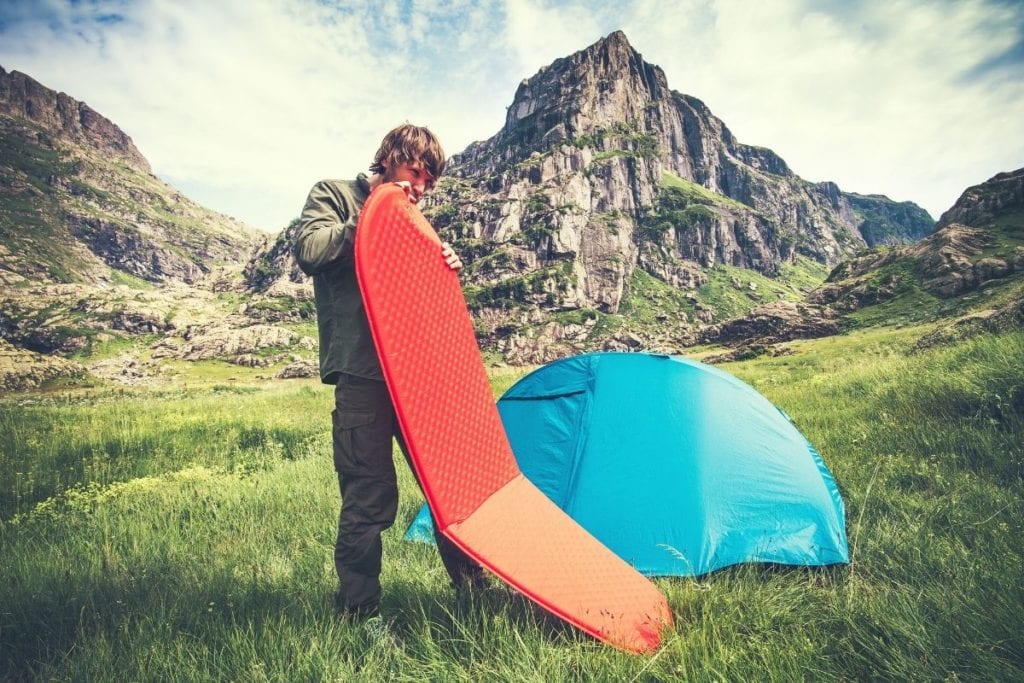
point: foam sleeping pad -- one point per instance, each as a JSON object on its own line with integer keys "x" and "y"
{"x": 479, "y": 498}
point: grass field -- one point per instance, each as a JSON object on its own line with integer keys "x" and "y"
{"x": 186, "y": 535}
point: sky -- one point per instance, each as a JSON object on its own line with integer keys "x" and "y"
{"x": 244, "y": 104}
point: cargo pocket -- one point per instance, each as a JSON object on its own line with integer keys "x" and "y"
{"x": 353, "y": 438}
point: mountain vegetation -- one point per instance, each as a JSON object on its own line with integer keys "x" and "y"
{"x": 107, "y": 272}
{"x": 966, "y": 277}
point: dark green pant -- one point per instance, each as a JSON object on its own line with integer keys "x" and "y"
{"x": 364, "y": 424}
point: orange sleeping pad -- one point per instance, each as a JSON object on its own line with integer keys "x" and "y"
{"x": 480, "y": 500}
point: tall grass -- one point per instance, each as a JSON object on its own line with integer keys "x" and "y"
{"x": 212, "y": 560}
{"x": 52, "y": 443}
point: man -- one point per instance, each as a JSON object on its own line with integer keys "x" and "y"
{"x": 364, "y": 419}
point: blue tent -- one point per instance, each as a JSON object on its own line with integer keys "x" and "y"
{"x": 676, "y": 466}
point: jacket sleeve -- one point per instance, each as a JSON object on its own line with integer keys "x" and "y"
{"x": 327, "y": 229}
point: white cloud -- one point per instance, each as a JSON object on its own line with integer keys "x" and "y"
{"x": 538, "y": 33}
{"x": 873, "y": 99}
{"x": 244, "y": 104}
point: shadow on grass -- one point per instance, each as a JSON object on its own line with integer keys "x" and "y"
{"x": 44, "y": 622}
{"x": 468, "y": 620}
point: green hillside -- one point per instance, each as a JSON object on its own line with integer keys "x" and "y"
{"x": 70, "y": 213}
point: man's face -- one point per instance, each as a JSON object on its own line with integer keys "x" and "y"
{"x": 414, "y": 173}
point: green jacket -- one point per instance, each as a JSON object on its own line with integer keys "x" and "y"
{"x": 324, "y": 249}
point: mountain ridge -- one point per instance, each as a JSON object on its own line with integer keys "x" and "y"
{"x": 969, "y": 272}
{"x": 590, "y": 235}
{"x": 603, "y": 180}
{"x": 21, "y": 96}
{"x": 80, "y": 203}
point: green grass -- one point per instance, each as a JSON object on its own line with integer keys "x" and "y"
{"x": 116, "y": 344}
{"x": 119, "y": 278}
{"x": 108, "y": 436}
{"x": 186, "y": 535}
{"x": 803, "y": 274}
{"x": 728, "y": 301}
{"x": 698, "y": 193}
{"x": 912, "y": 304}
{"x": 646, "y": 298}
{"x": 622, "y": 138}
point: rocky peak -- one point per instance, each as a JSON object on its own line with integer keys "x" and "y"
{"x": 23, "y": 97}
{"x": 980, "y": 203}
{"x": 606, "y": 83}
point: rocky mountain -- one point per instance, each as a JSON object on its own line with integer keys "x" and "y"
{"x": 970, "y": 271}
{"x": 605, "y": 185}
{"x": 108, "y": 272}
{"x": 272, "y": 270}
{"x": 980, "y": 241}
{"x": 79, "y": 202}
{"x": 610, "y": 212}
{"x": 613, "y": 212}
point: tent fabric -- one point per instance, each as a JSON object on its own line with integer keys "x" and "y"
{"x": 677, "y": 467}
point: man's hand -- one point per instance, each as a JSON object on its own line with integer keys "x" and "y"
{"x": 410, "y": 191}
{"x": 450, "y": 257}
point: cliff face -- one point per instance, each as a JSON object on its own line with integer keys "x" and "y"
{"x": 272, "y": 269}
{"x": 602, "y": 174}
{"x": 79, "y": 202}
{"x": 58, "y": 114}
{"x": 885, "y": 222}
{"x": 611, "y": 212}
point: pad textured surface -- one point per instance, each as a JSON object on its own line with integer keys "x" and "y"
{"x": 481, "y": 501}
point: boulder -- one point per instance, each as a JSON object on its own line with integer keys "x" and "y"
{"x": 297, "y": 369}
{"x": 774, "y": 322}
{"x": 219, "y": 342}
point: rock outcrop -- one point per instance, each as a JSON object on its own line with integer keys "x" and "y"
{"x": 219, "y": 342}
{"x": 299, "y": 369}
{"x": 954, "y": 261}
{"x": 22, "y": 369}
{"x": 1007, "y": 317}
{"x": 60, "y": 115}
{"x": 271, "y": 270}
{"x": 999, "y": 196}
{"x": 773, "y": 323}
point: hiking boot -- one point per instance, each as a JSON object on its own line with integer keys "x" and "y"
{"x": 359, "y": 613}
